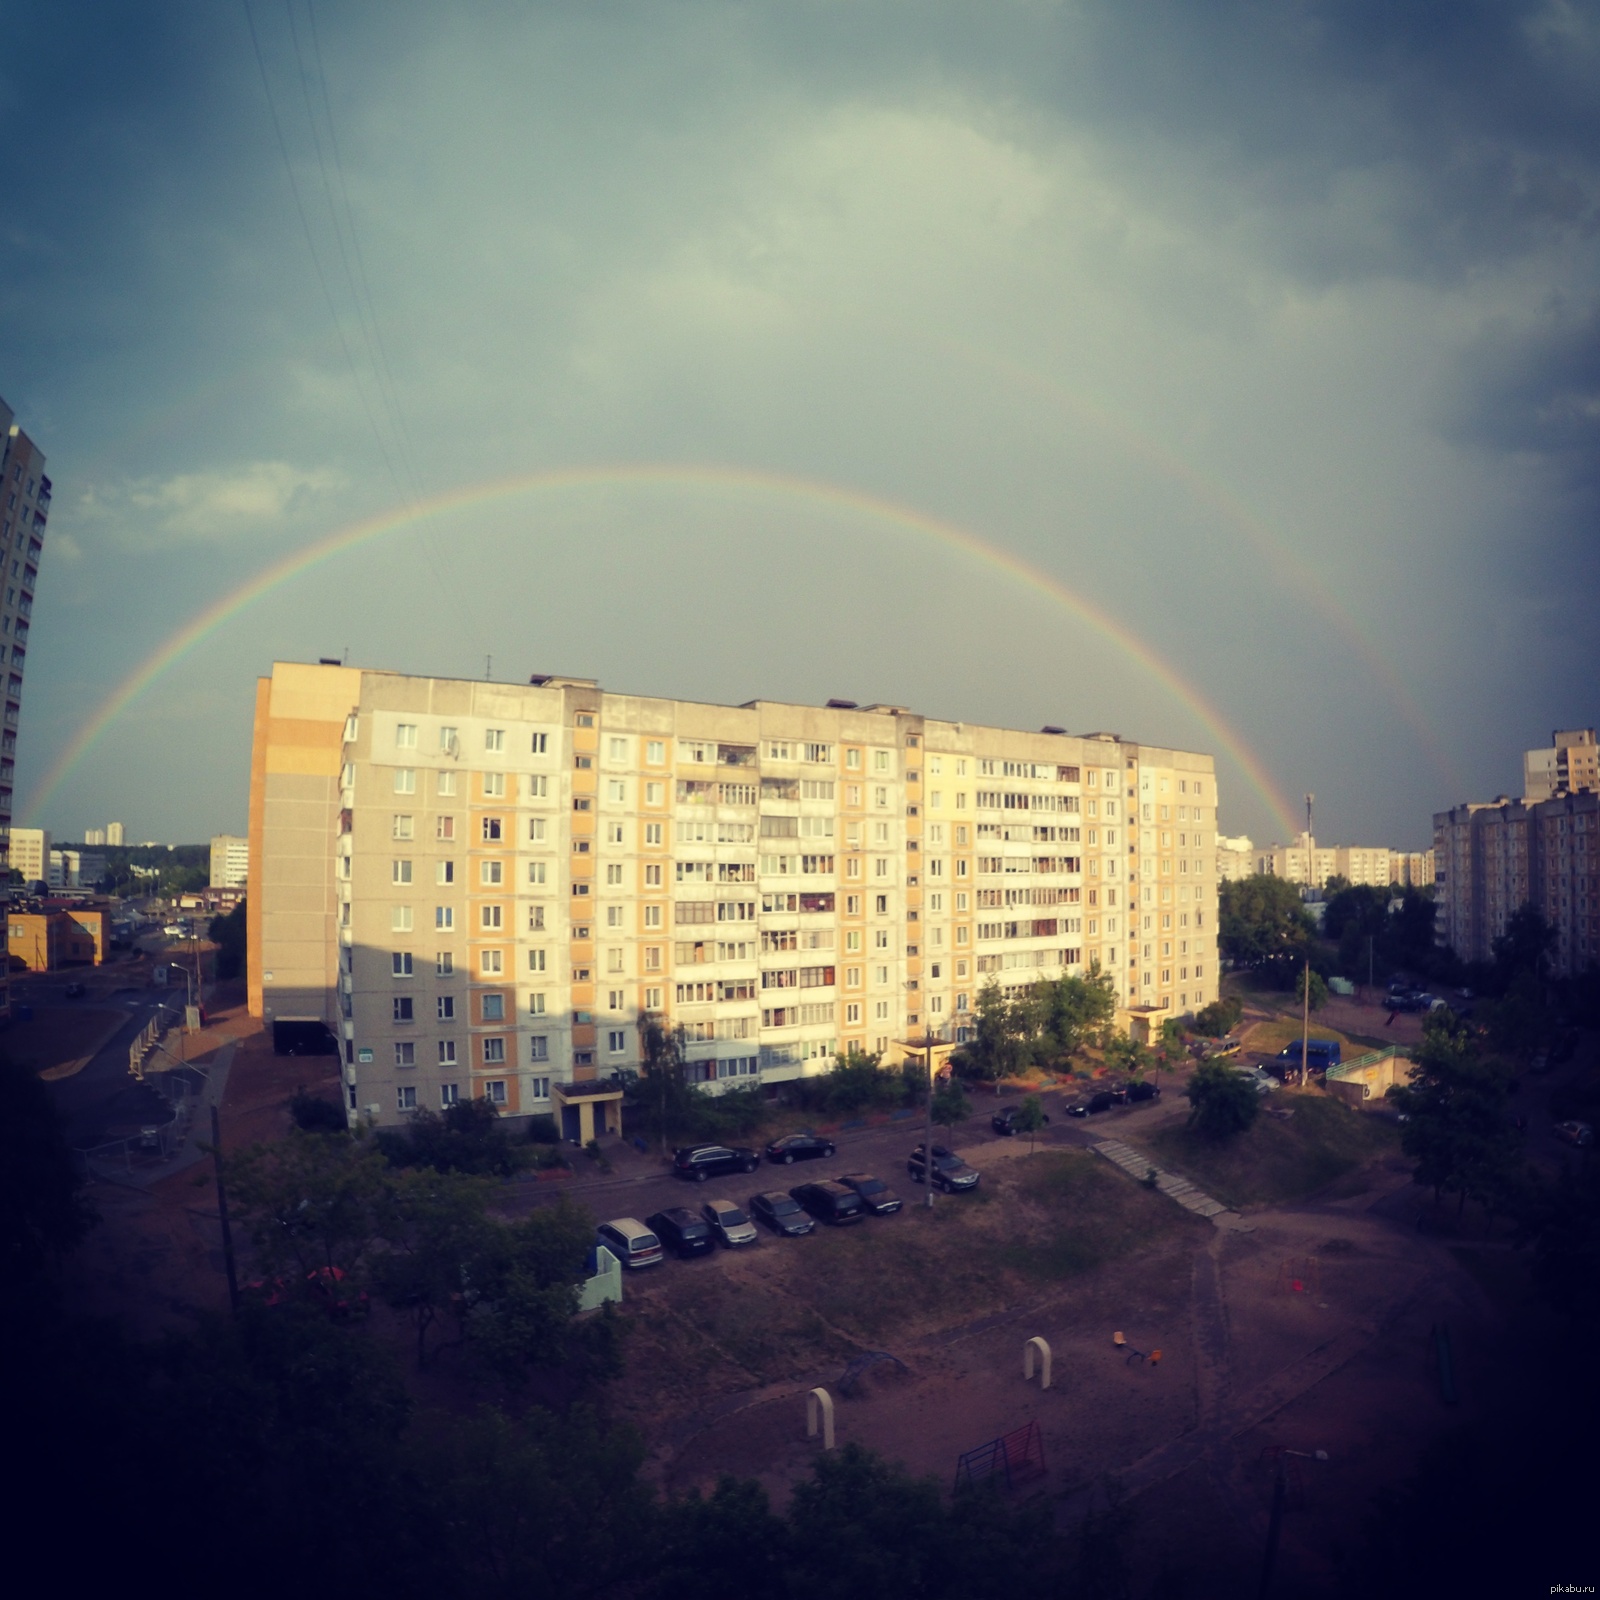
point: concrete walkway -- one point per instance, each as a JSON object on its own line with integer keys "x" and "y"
{"x": 1171, "y": 1184}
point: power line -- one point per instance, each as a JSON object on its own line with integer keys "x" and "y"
{"x": 316, "y": 260}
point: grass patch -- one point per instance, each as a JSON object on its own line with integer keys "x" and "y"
{"x": 1277, "y": 1032}
{"x": 1278, "y": 1159}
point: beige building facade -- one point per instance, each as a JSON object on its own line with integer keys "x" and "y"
{"x": 230, "y": 861}
{"x": 483, "y": 889}
{"x": 1571, "y": 762}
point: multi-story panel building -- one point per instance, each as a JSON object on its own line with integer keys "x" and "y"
{"x": 230, "y": 861}
{"x": 1411, "y": 869}
{"x": 30, "y": 854}
{"x": 114, "y": 833}
{"x": 1570, "y": 763}
{"x": 1491, "y": 860}
{"x": 1235, "y": 857}
{"x": 484, "y": 889}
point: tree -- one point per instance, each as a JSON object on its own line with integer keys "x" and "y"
{"x": 1030, "y": 1118}
{"x": 313, "y": 1204}
{"x": 1319, "y": 988}
{"x": 43, "y": 1214}
{"x": 1261, "y": 921}
{"x": 228, "y": 933}
{"x": 1563, "y": 1221}
{"x": 1524, "y": 948}
{"x": 950, "y": 1103}
{"x": 1457, "y": 1130}
{"x": 1002, "y": 1035}
{"x": 467, "y": 1137}
{"x": 1071, "y": 1011}
{"x": 1222, "y": 1102}
{"x": 1219, "y": 1017}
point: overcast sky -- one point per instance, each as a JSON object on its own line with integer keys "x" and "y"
{"x": 1272, "y": 331}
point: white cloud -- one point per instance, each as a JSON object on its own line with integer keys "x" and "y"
{"x": 205, "y": 506}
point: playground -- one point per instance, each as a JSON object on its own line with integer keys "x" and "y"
{"x": 1177, "y": 1366}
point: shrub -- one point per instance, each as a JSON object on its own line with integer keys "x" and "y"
{"x": 313, "y": 1114}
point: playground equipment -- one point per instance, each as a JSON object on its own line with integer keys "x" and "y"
{"x": 1300, "y": 1275}
{"x": 1016, "y": 1457}
{"x": 1445, "y": 1356}
{"x": 819, "y": 1415}
{"x": 1121, "y": 1342}
{"x": 1043, "y": 1348}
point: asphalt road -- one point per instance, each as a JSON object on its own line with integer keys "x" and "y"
{"x": 102, "y": 1101}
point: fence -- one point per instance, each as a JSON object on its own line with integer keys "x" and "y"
{"x": 158, "y": 1142}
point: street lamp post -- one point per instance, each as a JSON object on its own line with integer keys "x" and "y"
{"x": 928, "y": 1042}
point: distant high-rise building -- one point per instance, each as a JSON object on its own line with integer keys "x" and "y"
{"x": 114, "y": 833}
{"x": 30, "y": 854}
{"x": 94, "y": 835}
{"x": 1235, "y": 857}
{"x": 230, "y": 861}
{"x": 1570, "y": 763}
{"x": 24, "y": 510}
{"x": 1311, "y": 864}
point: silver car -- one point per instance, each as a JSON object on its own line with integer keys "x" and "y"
{"x": 729, "y": 1223}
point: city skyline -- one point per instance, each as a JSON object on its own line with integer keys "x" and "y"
{"x": 1200, "y": 377}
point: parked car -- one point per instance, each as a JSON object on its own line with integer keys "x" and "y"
{"x": 1103, "y": 1101}
{"x": 173, "y": 931}
{"x": 1263, "y": 1080}
{"x": 780, "y": 1212}
{"x": 875, "y": 1194}
{"x": 830, "y": 1202}
{"x": 1078, "y": 1108}
{"x": 682, "y": 1231}
{"x": 633, "y": 1244}
{"x": 1004, "y": 1121}
{"x": 1578, "y": 1133}
{"x": 1320, "y": 1055}
{"x": 950, "y": 1172}
{"x": 697, "y": 1162}
{"x": 730, "y": 1225}
{"x": 1143, "y": 1091}
{"x": 799, "y": 1147}
{"x": 1220, "y": 1050}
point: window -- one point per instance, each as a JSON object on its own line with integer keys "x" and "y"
{"x": 401, "y": 1005}
{"x": 540, "y": 744}
{"x": 538, "y": 787}
{"x": 536, "y": 1005}
{"x": 539, "y": 1088}
{"x": 494, "y": 786}
{"x": 852, "y": 1013}
{"x": 652, "y": 999}
{"x": 449, "y": 1093}
{"x": 405, "y": 1054}
{"x": 539, "y": 1050}
{"x": 852, "y": 760}
{"x": 494, "y": 1052}
{"x": 400, "y": 919}
{"x": 613, "y": 961}
{"x": 652, "y": 833}
{"x": 405, "y": 736}
{"x": 445, "y": 871}
{"x": 405, "y": 1097}
{"x": 444, "y": 918}
{"x": 491, "y": 963}
{"x": 494, "y": 1091}
{"x": 402, "y": 963}
{"x": 613, "y": 873}
{"x": 652, "y": 958}
{"x": 401, "y": 871}
{"x": 617, "y": 1041}
{"x": 490, "y": 873}
{"x": 494, "y": 1008}
{"x": 613, "y": 916}
{"x": 447, "y": 1007}
{"x": 655, "y": 752}
{"x": 536, "y": 872}
{"x": 616, "y": 791}
{"x": 494, "y": 738}
{"x": 489, "y": 917}
{"x": 613, "y": 833}
{"x": 582, "y": 763}
{"x": 491, "y": 830}
{"x": 403, "y": 828}
{"x": 405, "y": 780}
{"x": 536, "y": 961}
{"x": 614, "y": 999}
{"x": 822, "y": 753}
{"x": 449, "y": 740}
{"x": 444, "y": 964}
{"x": 443, "y": 828}
{"x": 652, "y": 916}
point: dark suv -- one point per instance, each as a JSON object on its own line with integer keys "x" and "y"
{"x": 799, "y": 1147}
{"x": 950, "y": 1172}
{"x": 830, "y": 1202}
{"x": 780, "y": 1212}
{"x": 701, "y": 1161}
{"x": 682, "y": 1231}
{"x": 875, "y": 1194}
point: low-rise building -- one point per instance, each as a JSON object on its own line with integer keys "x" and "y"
{"x": 43, "y": 937}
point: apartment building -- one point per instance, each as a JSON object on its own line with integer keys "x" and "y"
{"x": 1411, "y": 869}
{"x": 114, "y": 833}
{"x": 30, "y": 854}
{"x": 24, "y": 510}
{"x": 1235, "y": 857}
{"x": 230, "y": 861}
{"x": 483, "y": 888}
{"x": 1492, "y": 859}
{"x": 1570, "y": 763}
{"x": 1308, "y": 863}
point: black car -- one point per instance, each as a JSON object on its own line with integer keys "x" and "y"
{"x": 830, "y": 1202}
{"x": 799, "y": 1147}
{"x": 1143, "y": 1091}
{"x": 1101, "y": 1102}
{"x": 682, "y": 1231}
{"x": 875, "y": 1194}
{"x": 1078, "y": 1108}
{"x": 780, "y": 1212}
{"x": 701, "y": 1161}
{"x": 1004, "y": 1121}
{"x": 950, "y": 1172}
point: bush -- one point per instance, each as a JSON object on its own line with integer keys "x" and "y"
{"x": 469, "y": 1137}
{"x": 856, "y": 1082}
{"x": 1222, "y": 1102}
{"x": 313, "y": 1114}
{"x": 542, "y": 1129}
{"x": 1219, "y": 1017}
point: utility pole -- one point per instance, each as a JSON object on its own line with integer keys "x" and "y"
{"x": 1305, "y": 1020}
{"x": 927, "y": 1137}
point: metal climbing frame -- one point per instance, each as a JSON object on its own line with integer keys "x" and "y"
{"x": 1016, "y": 1457}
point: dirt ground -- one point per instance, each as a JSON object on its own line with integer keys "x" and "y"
{"x": 60, "y": 1040}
